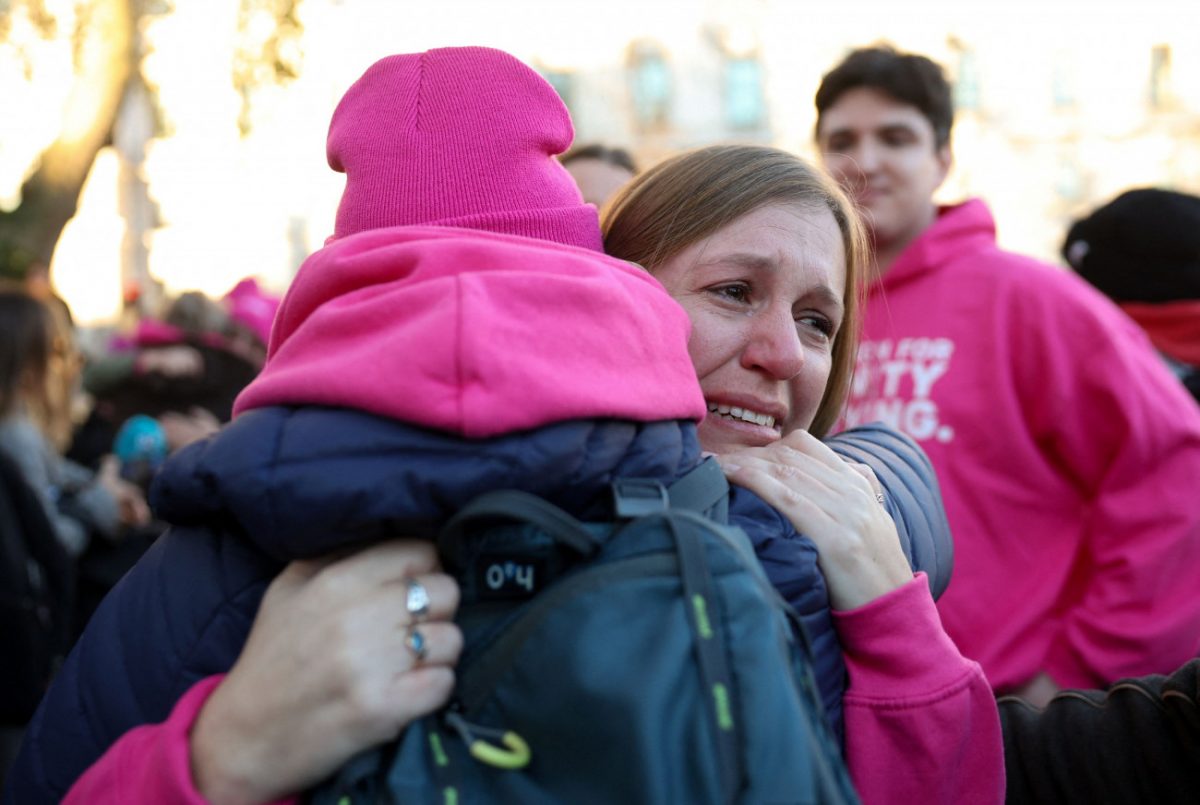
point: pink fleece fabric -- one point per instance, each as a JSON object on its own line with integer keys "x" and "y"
{"x": 477, "y": 334}
{"x": 921, "y": 722}
{"x": 151, "y": 763}
{"x": 252, "y": 307}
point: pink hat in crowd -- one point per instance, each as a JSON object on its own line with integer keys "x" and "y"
{"x": 462, "y": 137}
{"x": 252, "y": 307}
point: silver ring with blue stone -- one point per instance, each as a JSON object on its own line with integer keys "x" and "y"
{"x": 417, "y": 644}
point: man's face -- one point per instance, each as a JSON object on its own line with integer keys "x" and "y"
{"x": 883, "y": 154}
{"x": 598, "y": 180}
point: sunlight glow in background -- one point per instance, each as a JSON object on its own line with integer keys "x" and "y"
{"x": 230, "y": 207}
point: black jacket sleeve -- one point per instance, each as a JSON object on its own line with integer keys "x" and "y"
{"x": 1138, "y": 741}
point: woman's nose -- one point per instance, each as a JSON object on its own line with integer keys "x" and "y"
{"x": 773, "y": 345}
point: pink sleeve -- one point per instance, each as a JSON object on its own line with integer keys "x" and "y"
{"x": 921, "y": 721}
{"x": 1136, "y": 444}
{"x": 150, "y": 763}
{"x": 1123, "y": 429}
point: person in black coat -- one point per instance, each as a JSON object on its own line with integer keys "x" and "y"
{"x": 1138, "y": 741}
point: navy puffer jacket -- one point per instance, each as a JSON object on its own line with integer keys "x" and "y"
{"x": 285, "y": 483}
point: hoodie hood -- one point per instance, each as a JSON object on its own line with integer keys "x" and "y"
{"x": 960, "y": 229}
{"x": 477, "y": 334}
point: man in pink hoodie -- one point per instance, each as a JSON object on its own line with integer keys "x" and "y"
{"x": 1067, "y": 454}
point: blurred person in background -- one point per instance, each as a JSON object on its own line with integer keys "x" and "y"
{"x": 36, "y": 570}
{"x": 95, "y": 511}
{"x": 599, "y": 170}
{"x": 40, "y": 371}
{"x": 1067, "y": 453}
{"x": 1138, "y": 741}
{"x": 168, "y": 384}
{"x": 184, "y": 369}
{"x": 1142, "y": 250}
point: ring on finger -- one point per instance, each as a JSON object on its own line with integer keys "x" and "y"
{"x": 417, "y": 643}
{"x": 879, "y": 498}
{"x": 416, "y": 601}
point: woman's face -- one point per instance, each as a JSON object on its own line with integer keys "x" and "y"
{"x": 764, "y": 294}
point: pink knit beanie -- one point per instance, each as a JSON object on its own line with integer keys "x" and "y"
{"x": 462, "y": 137}
{"x": 252, "y": 307}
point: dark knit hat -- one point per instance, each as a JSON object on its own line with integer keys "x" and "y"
{"x": 462, "y": 137}
{"x": 1143, "y": 246}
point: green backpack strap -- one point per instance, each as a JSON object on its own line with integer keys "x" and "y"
{"x": 689, "y": 507}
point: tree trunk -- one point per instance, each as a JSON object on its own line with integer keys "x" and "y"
{"x": 106, "y": 58}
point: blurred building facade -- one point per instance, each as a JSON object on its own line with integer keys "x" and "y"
{"x": 1060, "y": 107}
{"x": 1062, "y": 104}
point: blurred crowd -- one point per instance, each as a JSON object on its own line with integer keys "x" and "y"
{"x": 81, "y": 436}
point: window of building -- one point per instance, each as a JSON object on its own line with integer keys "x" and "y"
{"x": 563, "y": 83}
{"x": 1069, "y": 179}
{"x": 1160, "y": 76}
{"x": 1063, "y": 83}
{"x": 650, "y": 85}
{"x": 966, "y": 84}
{"x": 744, "y": 104}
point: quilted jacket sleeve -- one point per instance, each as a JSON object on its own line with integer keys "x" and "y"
{"x": 911, "y": 493}
{"x": 180, "y": 615}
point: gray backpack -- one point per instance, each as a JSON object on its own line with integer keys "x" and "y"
{"x": 646, "y": 659}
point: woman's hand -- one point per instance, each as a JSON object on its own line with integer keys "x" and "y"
{"x": 834, "y": 503}
{"x": 182, "y": 429}
{"x": 131, "y": 502}
{"x": 1039, "y": 690}
{"x": 329, "y": 669}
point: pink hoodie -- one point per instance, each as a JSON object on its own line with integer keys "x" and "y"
{"x": 478, "y": 334}
{"x": 1067, "y": 454}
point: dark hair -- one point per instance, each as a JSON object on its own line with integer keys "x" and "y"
{"x": 690, "y": 196}
{"x": 25, "y": 345}
{"x": 905, "y": 77}
{"x": 197, "y": 314}
{"x": 602, "y": 153}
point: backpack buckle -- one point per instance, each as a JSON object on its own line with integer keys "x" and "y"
{"x": 638, "y": 497}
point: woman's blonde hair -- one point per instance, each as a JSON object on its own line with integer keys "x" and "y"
{"x": 689, "y": 197}
{"x": 38, "y": 362}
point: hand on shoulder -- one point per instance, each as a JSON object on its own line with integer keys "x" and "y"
{"x": 834, "y": 503}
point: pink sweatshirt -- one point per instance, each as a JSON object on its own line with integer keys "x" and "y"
{"x": 915, "y": 708}
{"x": 921, "y": 722}
{"x": 1068, "y": 458}
{"x": 151, "y": 763}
